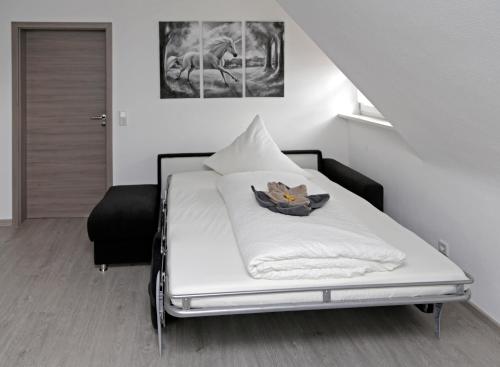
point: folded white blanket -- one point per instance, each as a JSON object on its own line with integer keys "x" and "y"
{"x": 330, "y": 243}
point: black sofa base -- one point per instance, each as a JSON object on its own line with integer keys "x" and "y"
{"x": 123, "y": 224}
{"x": 129, "y": 251}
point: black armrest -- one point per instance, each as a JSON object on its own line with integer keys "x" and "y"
{"x": 352, "y": 180}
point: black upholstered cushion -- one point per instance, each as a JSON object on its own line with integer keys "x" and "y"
{"x": 354, "y": 181}
{"x": 126, "y": 212}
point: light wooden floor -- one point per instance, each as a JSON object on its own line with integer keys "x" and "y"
{"x": 56, "y": 309}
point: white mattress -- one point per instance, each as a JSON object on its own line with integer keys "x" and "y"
{"x": 203, "y": 256}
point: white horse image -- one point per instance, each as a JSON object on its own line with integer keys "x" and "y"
{"x": 212, "y": 58}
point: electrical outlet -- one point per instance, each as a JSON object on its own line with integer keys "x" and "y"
{"x": 443, "y": 247}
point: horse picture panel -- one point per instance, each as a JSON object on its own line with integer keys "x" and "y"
{"x": 222, "y": 59}
{"x": 180, "y": 48}
{"x": 264, "y": 59}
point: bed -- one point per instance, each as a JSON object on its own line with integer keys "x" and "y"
{"x": 201, "y": 272}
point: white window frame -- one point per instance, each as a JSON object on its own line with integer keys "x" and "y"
{"x": 366, "y": 108}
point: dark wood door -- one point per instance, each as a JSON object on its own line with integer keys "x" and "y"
{"x": 65, "y": 149}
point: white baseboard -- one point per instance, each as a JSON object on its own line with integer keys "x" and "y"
{"x": 5, "y": 222}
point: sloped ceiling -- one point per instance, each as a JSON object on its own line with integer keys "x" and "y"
{"x": 432, "y": 68}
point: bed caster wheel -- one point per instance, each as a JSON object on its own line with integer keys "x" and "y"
{"x": 103, "y": 268}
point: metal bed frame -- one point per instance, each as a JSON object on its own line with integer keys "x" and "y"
{"x": 165, "y": 306}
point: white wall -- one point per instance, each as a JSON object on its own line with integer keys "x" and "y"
{"x": 437, "y": 204}
{"x": 431, "y": 67}
{"x": 315, "y": 90}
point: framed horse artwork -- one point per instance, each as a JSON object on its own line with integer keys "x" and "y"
{"x": 180, "y": 60}
{"x": 222, "y": 59}
{"x": 206, "y": 59}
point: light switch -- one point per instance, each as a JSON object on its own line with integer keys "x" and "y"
{"x": 122, "y": 118}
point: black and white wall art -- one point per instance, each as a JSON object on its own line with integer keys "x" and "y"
{"x": 212, "y": 60}
{"x": 180, "y": 59}
{"x": 222, "y": 59}
{"x": 265, "y": 59}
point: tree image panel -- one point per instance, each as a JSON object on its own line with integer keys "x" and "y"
{"x": 265, "y": 59}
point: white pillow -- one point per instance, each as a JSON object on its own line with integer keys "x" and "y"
{"x": 254, "y": 150}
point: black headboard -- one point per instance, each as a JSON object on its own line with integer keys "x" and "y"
{"x": 161, "y": 157}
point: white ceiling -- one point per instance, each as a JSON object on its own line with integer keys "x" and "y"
{"x": 431, "y": 67}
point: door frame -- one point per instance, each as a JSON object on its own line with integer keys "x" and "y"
{"x": 18, "y": 106}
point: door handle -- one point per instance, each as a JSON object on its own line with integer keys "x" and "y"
{"x": 101, "y": 118}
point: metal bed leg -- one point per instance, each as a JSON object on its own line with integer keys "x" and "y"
{"x": 438, "y": 311}
{"x": 159, "y": 310}
{"x": 103, "y": 268}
